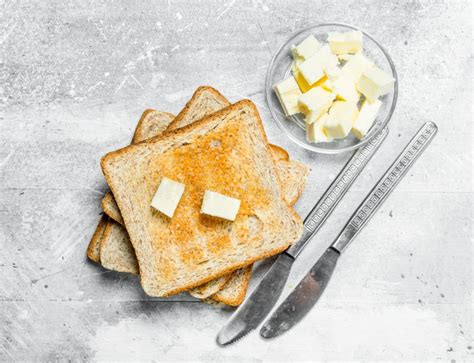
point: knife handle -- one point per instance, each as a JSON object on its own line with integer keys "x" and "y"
{"x": 385, "y": 185}
{"x": 336, "y": 191}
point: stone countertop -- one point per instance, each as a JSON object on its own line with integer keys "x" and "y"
{"x": 75, "y": 78}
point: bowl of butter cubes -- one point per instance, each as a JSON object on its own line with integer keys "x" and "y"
{"x": 331, "y": 88}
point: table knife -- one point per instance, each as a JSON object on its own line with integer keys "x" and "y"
{"x": 312, "y": 286}
{"x": 262, "y": 299}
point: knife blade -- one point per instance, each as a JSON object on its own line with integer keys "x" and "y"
{"x": 250, "y": 316}
{"x": 303, "y": 297}
{"x": 262, "y": 299}
{"x": 311, "y": 287}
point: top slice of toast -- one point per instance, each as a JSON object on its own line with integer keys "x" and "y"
{"x": 205, "y": 101}
{"x": 226, "y": 152}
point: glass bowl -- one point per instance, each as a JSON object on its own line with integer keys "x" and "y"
{"x": 294, "y": 126}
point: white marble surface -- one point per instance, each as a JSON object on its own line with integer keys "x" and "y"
{"x": 75, "y": 78}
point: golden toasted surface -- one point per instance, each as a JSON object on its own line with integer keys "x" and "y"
{"x": 218, "y": 162}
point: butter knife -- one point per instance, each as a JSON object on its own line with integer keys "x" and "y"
{"x": 262, "y": 299}
{"x": 312, "y": 286}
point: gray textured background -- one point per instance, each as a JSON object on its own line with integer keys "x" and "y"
{"x": 75, "y": 78}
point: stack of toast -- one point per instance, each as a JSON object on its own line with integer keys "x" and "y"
{"x": 211, "y": 144}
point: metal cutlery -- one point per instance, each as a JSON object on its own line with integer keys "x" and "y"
{"x": 312, "y": 286}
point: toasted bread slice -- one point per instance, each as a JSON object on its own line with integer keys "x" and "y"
{"x": 93, "y": 250}
{"x": 205, "y": 101}
{"x": 116, "y": 239}
{"x": 226, "y": 152}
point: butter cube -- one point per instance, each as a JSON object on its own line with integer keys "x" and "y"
{"x": 167, "y": 196}
{"x": 341, "y": 117}
{"x": 343, "y": 43}
{"x": 287, "y": 85}
{"x": 297, "y": 61}
{"x": 306, "y": 49}
{"x": 365, "y": 119}
{"x": 288, "y": 92}
{"x": 315, "y": 103}
{"x": 328, "y": 60}
{"x": 220, "y": 205}
{"x": 318, "y": 65}
{"x": 312, "y": 70}
{"x": 315, "y": 131}
{"x": 355, "y": 66}
{"x": 345, "y": 89}
{"x": 374, "y": 83}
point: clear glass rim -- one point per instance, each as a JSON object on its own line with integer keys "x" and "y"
{"x": 315, "y": 148}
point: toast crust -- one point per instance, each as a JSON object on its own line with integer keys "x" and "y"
{"x": 215, "y": 118}
{"x": 93, "y": 250}
{"x": 136, "y": 134}
{"x": 139, "y": 134}
{"x": 231, "y": 299}
{"x": 176, "y": 123}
